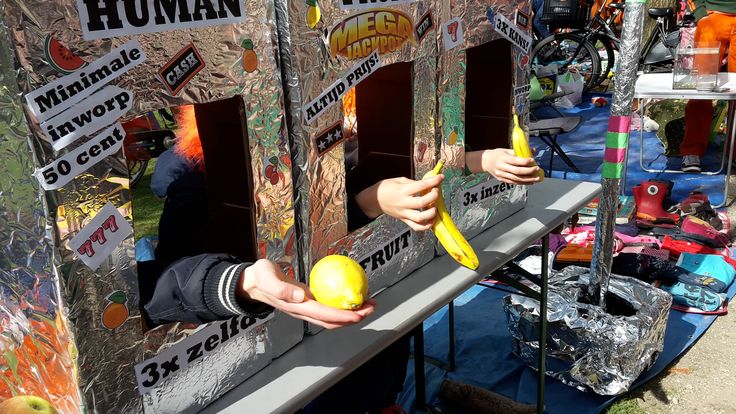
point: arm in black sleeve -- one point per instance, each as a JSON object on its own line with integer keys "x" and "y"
{"x": 201, "y": 289}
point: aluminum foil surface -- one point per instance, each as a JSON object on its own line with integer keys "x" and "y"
{"x": 238, "y": 59}
{"x": 388, "y": 250}
{"x": 479, "y": 201}
{"x": 37, "y": 351}
{"x": 589, "y": 348}
{"x": 626, "y": 74}
{"x": 315, "y": 58}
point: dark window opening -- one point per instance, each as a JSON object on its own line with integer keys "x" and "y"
{"x": 384, "y": 116}
{"x": 196, "y": 193}
{"x": 488, "y": 79}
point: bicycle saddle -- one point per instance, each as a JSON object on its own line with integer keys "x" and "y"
{"x": 617, "y": 6}
{"x": 661, "y": 12}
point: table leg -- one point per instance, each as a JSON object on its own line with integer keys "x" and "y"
{"x": 732, "y": 134}
{"x": 421, "y": 399}
{"x": 451, "y": 316}
{"x": 543, "y": 324}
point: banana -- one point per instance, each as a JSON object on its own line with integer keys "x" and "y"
{"x": 521, "y": 145}
{"x": 447, "y": 232}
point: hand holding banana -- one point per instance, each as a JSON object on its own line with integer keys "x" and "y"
{"x": 447, "y": 232}
{"x": 520, "y": 143}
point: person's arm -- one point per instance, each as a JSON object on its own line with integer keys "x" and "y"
{"x": 169, "y": 167}
{"x": 411, "y": 201}
{"x": 504, "y": 165}
{"x": 213, "y": 287}
{"x": 700, "y": 10}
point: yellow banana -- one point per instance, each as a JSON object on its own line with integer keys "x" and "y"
{"x": 447, "y": 232}
{"x": 521, "y": 145}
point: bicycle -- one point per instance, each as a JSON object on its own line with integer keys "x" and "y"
{"x": 579, "y": 47}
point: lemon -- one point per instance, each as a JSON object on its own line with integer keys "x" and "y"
{"x": 338, "y": 281}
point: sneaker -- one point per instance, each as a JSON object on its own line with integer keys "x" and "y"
{"x": 691, "y": 163}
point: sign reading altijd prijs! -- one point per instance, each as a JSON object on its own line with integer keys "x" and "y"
{"x": 384, "y": 30}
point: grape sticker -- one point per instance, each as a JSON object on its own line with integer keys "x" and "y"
{"x": 116, "y": 311}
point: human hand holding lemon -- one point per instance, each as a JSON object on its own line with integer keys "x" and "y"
{"x": 264, "y": 281}
{"x": 339, "y": 281}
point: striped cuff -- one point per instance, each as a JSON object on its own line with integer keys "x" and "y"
{"x": 220, "y": 285}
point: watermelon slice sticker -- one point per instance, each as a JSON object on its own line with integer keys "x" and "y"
{"x": 60, "y": 57}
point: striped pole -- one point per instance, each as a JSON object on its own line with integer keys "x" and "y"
{"x": 617, "y": 143}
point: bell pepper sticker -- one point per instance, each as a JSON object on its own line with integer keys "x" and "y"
{"x": 250, "y": 58}
{"x": 116, "y": 311}
{"x": 313, "y": 13}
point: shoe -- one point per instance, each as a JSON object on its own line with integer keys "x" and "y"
{"x": 697, "y": 226}
{"x": 691, "y": 163}
{"x": 649, "y": 196}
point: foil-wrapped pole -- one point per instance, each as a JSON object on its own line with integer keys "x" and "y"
{"x": 617, "y": 143}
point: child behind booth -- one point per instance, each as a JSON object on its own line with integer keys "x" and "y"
{"x": 194, "y": 287}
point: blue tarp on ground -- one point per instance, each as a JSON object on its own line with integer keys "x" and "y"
{"x": 483, "y": 355}
{"x": 585, "y": 146}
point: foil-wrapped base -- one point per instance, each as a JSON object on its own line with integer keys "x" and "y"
{"x": 590, "y": 348}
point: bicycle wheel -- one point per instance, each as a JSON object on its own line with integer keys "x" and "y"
{"x": 571, "y": 53}
{"x": 136, "y": 169}
{"x": 607, "y": 56}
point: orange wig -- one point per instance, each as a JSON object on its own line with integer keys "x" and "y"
{"x": 188, "y": 144}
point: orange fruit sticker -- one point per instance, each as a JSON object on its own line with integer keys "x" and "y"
{"x": 116, "y": 311}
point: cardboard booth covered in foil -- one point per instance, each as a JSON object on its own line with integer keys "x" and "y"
{"x": 588, "y": 347}
{"x": 86, "y": 73}
{"x": 361, "y": 91}
{"x": 483, "y": 74}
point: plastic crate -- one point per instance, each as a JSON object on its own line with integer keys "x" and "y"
{"x": 566, "y": 13}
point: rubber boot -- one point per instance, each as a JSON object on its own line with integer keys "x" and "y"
{"x": 649, "y": 196}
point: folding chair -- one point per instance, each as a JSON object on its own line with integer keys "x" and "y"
{"x": 548, "y": 129}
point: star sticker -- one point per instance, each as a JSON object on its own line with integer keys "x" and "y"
{"x": 322, "y": 145}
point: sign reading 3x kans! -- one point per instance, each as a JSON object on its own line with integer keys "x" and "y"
{"x": 384, "y": 30}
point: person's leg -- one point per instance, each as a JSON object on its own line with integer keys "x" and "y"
{"x": 538, "y": 9}
{"x": 732, "y": 68}
{"x": 698, "y": 113}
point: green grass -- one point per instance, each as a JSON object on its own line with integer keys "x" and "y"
{"x": 625, "y": 407}
{"x": 147, "y": 207}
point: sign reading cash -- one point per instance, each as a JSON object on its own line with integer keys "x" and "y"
{"x": 181, "y": 69}
{"x": 102, "y": 19}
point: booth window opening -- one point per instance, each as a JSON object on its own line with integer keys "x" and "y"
{"x": 488, "y": 83}
{"x": 196, "y": 193}
{"x": 379, "y": 112}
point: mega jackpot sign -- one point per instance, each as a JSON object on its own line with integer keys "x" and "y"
{"x": 384, "y": 30}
